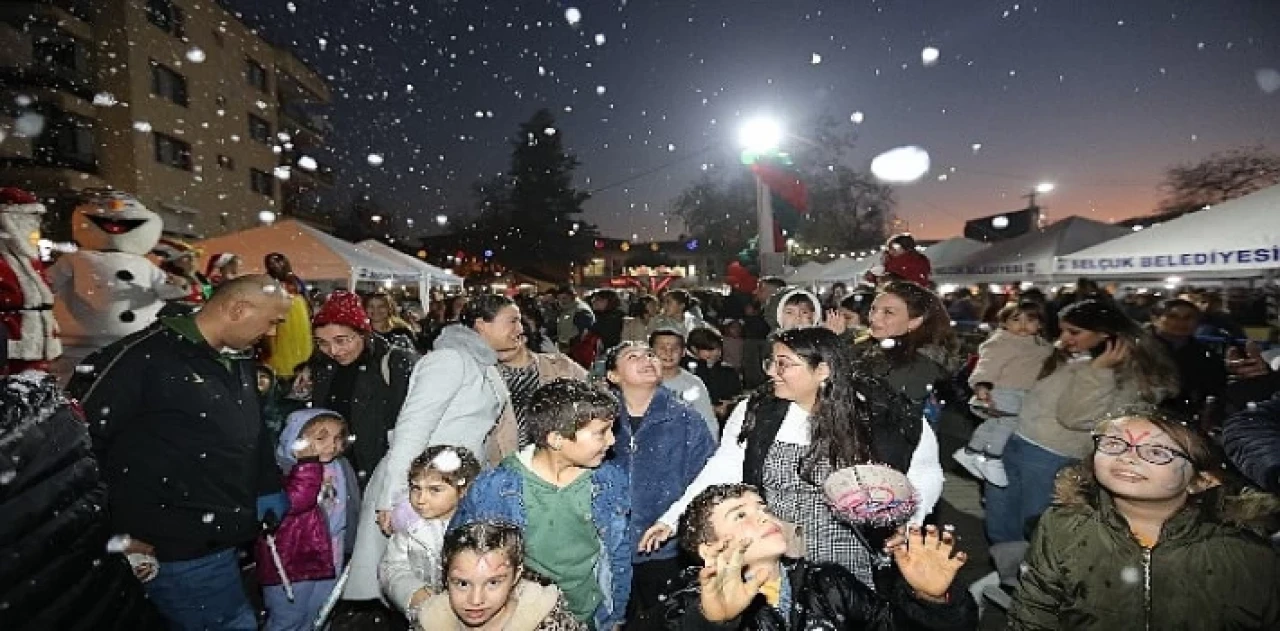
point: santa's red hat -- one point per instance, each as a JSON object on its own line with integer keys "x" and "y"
{"x": 16, "y": 200}
{"x": 219, "y": 261}
{"x": 343, "y": 307}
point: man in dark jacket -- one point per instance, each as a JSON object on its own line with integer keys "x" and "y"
{"x": 746, "y": 583}
{"x": 174, "y": 417}
{"x": 57, "y": 572}
{"x": 1202, "y": 371}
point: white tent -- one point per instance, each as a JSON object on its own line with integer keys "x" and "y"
{"x": 436, "y": 275}
{"x": 1235, "y": 239}
{"x": 315, "y": 255}
{"x": 848, "y": 269}
{"x": 806, "y": 273}
{"x": 953, "y": 251}
{"x": 1029, "y": 257}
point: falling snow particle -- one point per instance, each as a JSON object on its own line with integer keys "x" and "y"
{"x": 888, "y": 343}
{"x": 815, "y": 59}
{"x": 671, "y": 147}
{"x": 856, "y": 118}
{"x": 104, "y": 99}
{"x": 207, "y": 518}
{"x": 572, "y": 15}
{"x": 118, "y": 544}
{"x": 550, "y": 131}
{"x": 929, "y": 56}
{"x": 374, "y": 159}
{"x": 901, "y": 165}
{"x": 293, "y": 8}
{"x": 7, "y": 476}
{"x": 599, "y": 39}
{"x": 600, "y": 90}
{"x": 195, "y": 55}
{"x": 1129, "y": 575}
{"x": 28, "y": 125}
{"x": 282, "y": 173}
{"x": 1268, "y": 79}
{"x": 976, "y": 147}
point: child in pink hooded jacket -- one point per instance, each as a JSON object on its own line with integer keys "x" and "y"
{"x": 317, "y": 533}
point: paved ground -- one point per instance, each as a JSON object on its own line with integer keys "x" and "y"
{"x": 961, "y": 506}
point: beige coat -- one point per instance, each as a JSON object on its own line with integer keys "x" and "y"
{"x": 1060, "y": 411}
{"x": 505, "y": 438}
{"x": 1010, "y": 361}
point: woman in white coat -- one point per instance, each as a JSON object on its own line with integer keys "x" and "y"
{"x": 456, "y": 395}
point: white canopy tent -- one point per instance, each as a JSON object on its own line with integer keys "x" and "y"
{"x": 1235, "y": 239}
{"x": 807, "y": 273}
{"x": 433, "y": 274}
{"x": 314, "y": 255}
{"x": 953, "y": 251}
{"x": 848, "y": 269}
{"x": 1030, "y": 257}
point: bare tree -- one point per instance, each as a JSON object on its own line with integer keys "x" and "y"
{"x": 1218, "y": 178}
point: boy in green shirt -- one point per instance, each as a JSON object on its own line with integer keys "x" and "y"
{"x": 570, "y": 504}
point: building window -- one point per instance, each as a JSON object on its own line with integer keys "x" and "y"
{"x": 168, "y": 84}
{"x": 226, "y": 162}
{"x": 259, "y": 129}
{"x": 256, "y": 74}
{"x": 66, "y": 142}
{"x": 168, "y": 17}
{"x": 173, "y": 152}
{"x": 262, "y": 183}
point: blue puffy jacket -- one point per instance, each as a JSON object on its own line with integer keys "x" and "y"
{"x": 1251, "y": 439}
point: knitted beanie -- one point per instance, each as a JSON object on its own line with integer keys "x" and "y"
{"x": 342, "y": 307}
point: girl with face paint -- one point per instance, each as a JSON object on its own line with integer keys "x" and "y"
{"x": 1152, "y": 531}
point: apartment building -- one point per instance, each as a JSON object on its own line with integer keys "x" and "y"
{"x": 176, "y": 101}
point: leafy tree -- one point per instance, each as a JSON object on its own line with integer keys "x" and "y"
{"x": 531, "y": 215}
{"x": 848, "y": 209}
{"x": 1218, "y": 178}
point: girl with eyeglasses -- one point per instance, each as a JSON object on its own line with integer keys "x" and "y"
{"x": 1151, "y": 531}
{"x": 819, "y": 413}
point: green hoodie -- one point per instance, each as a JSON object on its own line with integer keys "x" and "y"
{"x": 1212, "y": 568}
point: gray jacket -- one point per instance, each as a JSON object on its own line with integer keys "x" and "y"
{"x": 456, "y": 395}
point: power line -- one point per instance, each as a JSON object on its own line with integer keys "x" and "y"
{"x": 660, "y": 167}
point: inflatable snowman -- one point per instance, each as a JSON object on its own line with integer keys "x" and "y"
{"x": 108, "y": 289}
{"x": 26, "y": 302}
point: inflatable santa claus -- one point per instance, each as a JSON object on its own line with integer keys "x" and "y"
{"x": 26, "y": 302}
{"x": 108, "y": 289}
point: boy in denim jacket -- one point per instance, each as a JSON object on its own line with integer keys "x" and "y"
{"x": 570, "y": 504}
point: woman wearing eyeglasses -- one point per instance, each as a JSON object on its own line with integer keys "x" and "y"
{"x": 1103, "y": 361}
{"x": 1151, "y": 531}
{"x": 358, "y": 375}
{"x": 818, "y": 414}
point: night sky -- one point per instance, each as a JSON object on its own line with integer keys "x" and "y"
{"x": 1096, "y": 97}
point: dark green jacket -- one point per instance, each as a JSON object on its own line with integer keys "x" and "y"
{"x": 1211, "y": 569}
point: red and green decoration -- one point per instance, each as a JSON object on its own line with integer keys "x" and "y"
{"x": 790, "y": 199}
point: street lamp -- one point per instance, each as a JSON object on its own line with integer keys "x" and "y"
{"x": 760, "y": 138}
{"x": 760, "y": 135}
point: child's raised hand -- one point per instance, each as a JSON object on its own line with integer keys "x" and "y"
{"x": 654, "y": 537}
{"x": 835, "y": 322}
{"x": 725, "y": 593}
{"x": 925, "y": 559}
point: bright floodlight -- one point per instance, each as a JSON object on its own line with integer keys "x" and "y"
{"x": 1044, "y": 187}
{"x": 760, "y": 135}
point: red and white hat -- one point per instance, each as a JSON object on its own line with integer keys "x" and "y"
{"x": 18, "y": 201}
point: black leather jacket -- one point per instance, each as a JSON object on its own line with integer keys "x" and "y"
{"x": 824, "y": 596}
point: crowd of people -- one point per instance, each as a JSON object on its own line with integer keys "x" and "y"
{"x": 269, "y": 457}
